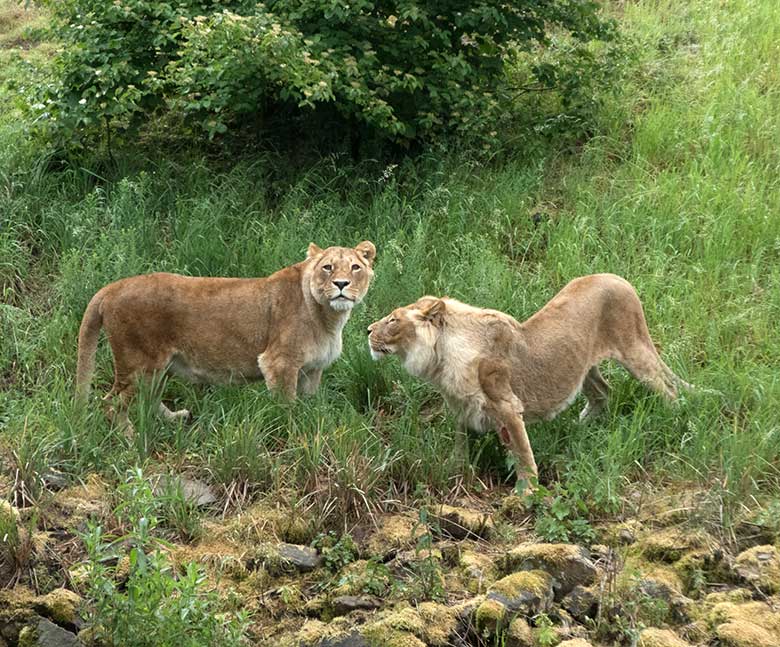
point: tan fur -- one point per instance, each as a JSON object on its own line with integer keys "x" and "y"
{"x": 499, "y": 373}
{"x": 285, "y": 328}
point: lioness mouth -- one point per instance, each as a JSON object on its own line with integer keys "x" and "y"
{"x": 342, "y": 296}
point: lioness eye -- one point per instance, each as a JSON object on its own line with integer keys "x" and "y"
{"x": 355, "y": 267}
{"x": 327, "y": 268}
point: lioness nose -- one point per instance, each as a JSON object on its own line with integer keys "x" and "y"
{"x": 341, "y": 284}
{"x": 369, "y": 330}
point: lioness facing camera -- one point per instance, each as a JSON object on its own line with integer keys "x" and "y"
{"x": 499, "y": 373}
{"x": 285, "y": 328}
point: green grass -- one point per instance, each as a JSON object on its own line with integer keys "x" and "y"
{"x": 677, "y": 190}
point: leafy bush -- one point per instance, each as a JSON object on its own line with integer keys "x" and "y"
{"x": 337, "y": 552}
{"x": 402, "y": 69}
{"x": 561, "y": 515}
{"x": 136, "y": 597}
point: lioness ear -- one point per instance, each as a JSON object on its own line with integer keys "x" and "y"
{"x": 433, "y": 310}
{"x": 313, "y": 250}
{"x": 367, "y": 250}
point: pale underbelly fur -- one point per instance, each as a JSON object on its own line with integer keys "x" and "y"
{"x": 473, "y": 415}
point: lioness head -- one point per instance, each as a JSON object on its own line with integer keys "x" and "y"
{"x": 409, "y": 332}
{"x": 340, "y": 276}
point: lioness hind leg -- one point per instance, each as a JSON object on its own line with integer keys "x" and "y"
{"x": 596, "y": 390}
{"x": 118, "y": 402}
{"x": 644, "y": 363}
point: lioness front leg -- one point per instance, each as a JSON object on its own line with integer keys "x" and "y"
{"x": 506, "y": 410}
{"x": 280, "y": 372}
{"x": 309, "y": 381}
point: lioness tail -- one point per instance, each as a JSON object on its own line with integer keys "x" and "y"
{"x": 91, "y": 323}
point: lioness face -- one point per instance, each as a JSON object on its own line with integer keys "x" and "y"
{"x": 340, "y": 276}
{"x": 408, "y": 330}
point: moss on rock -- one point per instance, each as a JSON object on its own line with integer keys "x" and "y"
{"x": 524, "y": 593}
{"x": 490, "y": 617}
{"x": 513, "y": 508}
{"x": 519, "y": 634}
{"x": 758, "y": 613}
{"x": 741, "y": 633}
{"x": 537, "y": 582}
{"x": 569, "y": 565}
{"x": 60, "y": 606}
{"x": 670, "y": 544}
{"x": 653, "y": 637}
{"x": 390, "y": 637}
{"x": 430, "y": 622}
{"x": 313, "y": 632}
{"x": 462, "y": 523}
{"x": 760, "y": 566}
{"x": 575, "y": 642}
{"x": 396, "y": 532}
{"x": 478, "y": 570}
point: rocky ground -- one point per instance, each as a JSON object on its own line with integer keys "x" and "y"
{"x": 468, "y": 574}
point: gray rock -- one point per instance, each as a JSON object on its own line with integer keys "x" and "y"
{"x": 526, "y": 594}
{"x": 679, "y": 606}
{"x": 344, "y": 604}
{"x": 302, "y": 558}
{"x": 352, "y": 640}
{"x": 194, "y": 491}
{"x": 581, "y": 603}
{"x": 46, "y": 634}
{"x": 626, "y": 537}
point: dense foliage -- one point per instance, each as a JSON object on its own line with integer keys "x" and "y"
{"x": 403, "y": 69}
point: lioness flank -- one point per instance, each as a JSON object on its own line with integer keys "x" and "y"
{"x": 499, "y": 373}
{"x": 285, "y": 328}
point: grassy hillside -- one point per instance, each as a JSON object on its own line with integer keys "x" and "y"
{"x": 677, "y": 190}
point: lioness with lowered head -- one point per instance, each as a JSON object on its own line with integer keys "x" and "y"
{"x": 285, "y": 328}
{"x": 499, "y": 373}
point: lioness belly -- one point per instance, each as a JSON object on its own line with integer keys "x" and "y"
{"x": 203, "y": 373}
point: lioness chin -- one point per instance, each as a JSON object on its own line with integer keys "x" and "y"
{"x": 499, "y": 373}
{"x": 285, "y": 328}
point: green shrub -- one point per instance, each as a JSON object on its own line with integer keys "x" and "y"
{"x": 136, "y": 596}
{"x": 399, "y": 68}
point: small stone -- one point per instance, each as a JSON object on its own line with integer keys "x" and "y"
{"x": 582, "y": 603}
{"x": 568, "y": 564}
{"x": 626, "y": 536}
{"x": 344, "y": 604}
{"x": 653, "y": 637}
{"x": 301, "y": 558}
{"x": 462, "y": 523}
{"x": 575, "y": 642}
{"x": 760, "y": 566}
